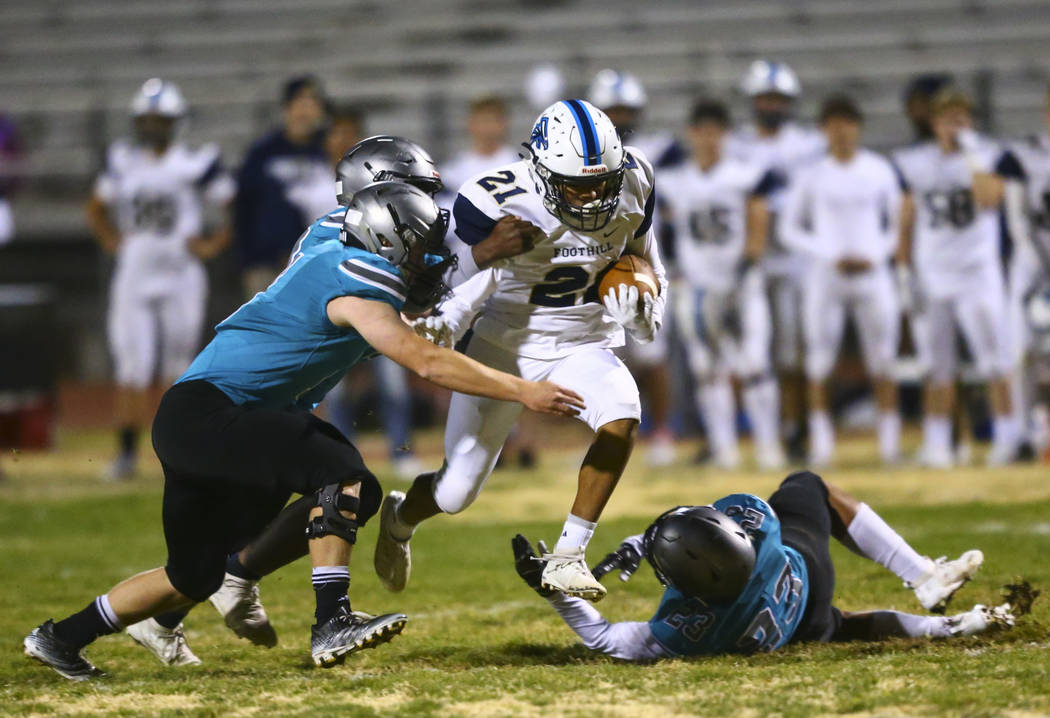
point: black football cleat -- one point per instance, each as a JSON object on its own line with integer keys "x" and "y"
{"x": 43, "y": 645}
{"x": 347, "y": 632}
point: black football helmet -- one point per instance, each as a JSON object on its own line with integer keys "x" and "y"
{"x": 701, "y": 552}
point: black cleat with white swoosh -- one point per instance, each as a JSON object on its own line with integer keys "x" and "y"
{"x": 43, "y": 645}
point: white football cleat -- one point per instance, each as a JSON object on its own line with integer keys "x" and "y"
{"x": 937, "y": 586}
{"x": 407, "y": 466}
{"x": 167, "y": 644}
{"x": 661, "y": 451}
{"x": 122, "y": 468}
{"x": 931, "y": 458}
{"x": 567, "y": 572}
{"x": 237, "y": 600}
{"x": 770, "y": 458}
{"x": 393, "y": 558}
{"x": 1001, "y": 454}
{"x": 981, "y": 618}
{"x": 727, "y": 459}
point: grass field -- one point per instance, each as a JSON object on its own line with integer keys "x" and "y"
{"x": 479, "y": 643}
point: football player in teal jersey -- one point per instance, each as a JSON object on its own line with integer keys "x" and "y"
{"x": 745, "y": 575}
{"x": 236, "y": 438}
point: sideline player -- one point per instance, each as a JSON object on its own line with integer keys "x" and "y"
{"x": 743, "y": 575}
{"x": 540, "y": 316}
{"x": 781, "y": 144}
{"x": 842, "y": 213}
{"x": 236, "y": 438}
{"x": 1028, "y": 214}
{"x": 720, "y": 217}
{"x": 148, "y": 209}
{"x": 953, "y": 188}
{"x": 622, "y": 97}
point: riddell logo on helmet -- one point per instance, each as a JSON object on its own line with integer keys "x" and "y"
{"x": 593, "y": 170}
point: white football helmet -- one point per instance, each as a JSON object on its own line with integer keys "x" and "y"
{"x": 769, "y": 76}
{"x": 158, "y": 97}
{"x": 611, "y": 88}
{"x": 575, "y": 147}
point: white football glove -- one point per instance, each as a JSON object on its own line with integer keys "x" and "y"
{"x": 437, "y": 329}
{"x": 622, "y": 304}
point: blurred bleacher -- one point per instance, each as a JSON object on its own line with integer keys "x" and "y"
{"x": 69, "y": 67}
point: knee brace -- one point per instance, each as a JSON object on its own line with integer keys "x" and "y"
{"x": 332, "y": 500}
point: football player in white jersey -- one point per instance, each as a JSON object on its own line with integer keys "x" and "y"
{"x": 149, "y": 209}
{"x": 540, "y": 315}
{"x": 621, "y": 96}
{"x": 842, "y": 214}
{"x": 954, "y": 186}
{"x": 487, "y": 127}
{"x": 778, "y": 142}
{"x": 1028, "y": 214}
{"x": 720, "y": 217}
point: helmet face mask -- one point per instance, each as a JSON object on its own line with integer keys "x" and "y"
{"x": 578, "y": 159}
{"x": 401, "y": 223}
{"x": 567, "y": 197}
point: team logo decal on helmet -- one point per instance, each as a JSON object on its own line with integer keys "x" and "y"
{"x": 578, "y": 159}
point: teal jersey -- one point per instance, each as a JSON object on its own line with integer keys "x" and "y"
{"x": 280, "y": 349}
{"x": 766, "y": 614}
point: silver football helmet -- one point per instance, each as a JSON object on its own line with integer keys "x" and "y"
{"x": 385, "y": 158}
{"x": 402, "y": 224}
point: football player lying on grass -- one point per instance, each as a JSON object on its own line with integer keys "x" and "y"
{"x": 746, "y": 575}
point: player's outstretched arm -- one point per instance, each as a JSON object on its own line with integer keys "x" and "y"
{"x": 628, "y": 640}
{"x": 381, "y": 326}
{"x": 102, "y": 226}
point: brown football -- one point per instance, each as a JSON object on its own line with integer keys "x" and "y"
{"x": 632, "y": 270}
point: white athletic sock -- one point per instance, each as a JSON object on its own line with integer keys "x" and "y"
{"x": 1004, "y": 430}
{"x": 821, "y": 436}
{"x": 937, "y": 433}
{"x": 762, "y": 403}
{"x": 894, "y": 624}
{"x": 107, "y": 613}
{"x": 575, "y": 534}
{"x": 718, "y": 411}
{"x": 1018, "y": 400}
{"x": 876, "y": 540}
{"x": 889, "y": 430}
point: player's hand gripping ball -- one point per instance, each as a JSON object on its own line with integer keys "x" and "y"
{"x": 633, "y": 271}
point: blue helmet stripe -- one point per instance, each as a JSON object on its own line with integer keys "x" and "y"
{"x": 588, "y": 132}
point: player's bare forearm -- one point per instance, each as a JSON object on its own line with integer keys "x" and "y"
{"x": 757, "y": 228}
{"x": 212, "y": 245}
{"x": 102, "y": 227}
{"x": 907, "y": 223}
{"x": 987, "y": 190}
{"x": 381, "y": 326}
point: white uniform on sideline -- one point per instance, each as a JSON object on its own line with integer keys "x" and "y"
{"x": 956, "y": 257}
{"x": 1027, "y": 270}
{"x": 835, "y": 211}
{"x": 793, "y": 146}
{"x": 959, "y": 279}
{"x": 722, "y": 317}
{"x": 540, "y": 317}
{"x": 159, "y": 288}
